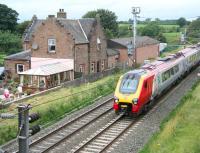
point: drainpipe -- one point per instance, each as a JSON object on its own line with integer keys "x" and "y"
{"x": 89, "y": 57}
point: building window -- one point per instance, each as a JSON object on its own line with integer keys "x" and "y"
{"x": 92, "y": 66}
{"x": 98, "y": 44}
{"x": 20, "y": 68}
{"x": 82, "y": 68}
{"x": 52, "y": 45}
{"x": 102, "y": 64}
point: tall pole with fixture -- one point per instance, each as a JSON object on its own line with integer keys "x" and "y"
{"x": 135, "y": 12}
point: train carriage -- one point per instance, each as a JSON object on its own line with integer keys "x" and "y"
{"x": 137, "y": 89}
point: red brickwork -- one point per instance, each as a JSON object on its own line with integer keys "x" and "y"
{"x": 10, "y": 66}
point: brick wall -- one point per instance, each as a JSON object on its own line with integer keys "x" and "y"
{"x": 51, "y": 29}
{"x": 98, "y": 55}
{"x": 123, "y": 57}
{"x": 10, "y": 66}
{"x": 147, "y": 52}
{"x": 81, "y": 58}
{"x": 112, "y": 62}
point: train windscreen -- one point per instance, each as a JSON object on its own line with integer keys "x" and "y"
{"x": 129, "y": 83}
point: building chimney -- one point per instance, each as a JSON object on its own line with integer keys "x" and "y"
{"x": 34, "y": 18}
{"x": 98, "y": 18}
{"x": 61, "y": 14}
{"x": 51, "y": 16}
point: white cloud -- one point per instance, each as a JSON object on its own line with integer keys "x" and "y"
{"x": 122, "y": 8}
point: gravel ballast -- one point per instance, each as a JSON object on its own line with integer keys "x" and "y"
{"x": 135, "y": 139}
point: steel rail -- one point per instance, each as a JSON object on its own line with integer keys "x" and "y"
{"x": 71, "y": 122}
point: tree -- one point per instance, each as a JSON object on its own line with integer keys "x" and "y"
{"x": 194, "y": 29}
{"x": 181, "y": 22}
{"x": 21, "y": 27}
{"x": 161, "y": 38}
{"x": 108, "y": 20}
{"x": 10, "y": 43}
{"x": 152, "y": 29}
{"x": 8, "y": 18}
{"x": 147, "y": 20}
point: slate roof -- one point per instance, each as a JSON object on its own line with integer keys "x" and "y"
{"x": 112, "y": 52}
{"x": 140, "y": 42}
{"x": 24, "y": 55}
{"x": 80, "y": 29}
{"x": 31, "y": 29}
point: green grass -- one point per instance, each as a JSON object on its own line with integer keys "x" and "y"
{"x": 172, "y": 38}
{"x": 171, "y": 50}
{"x": 54, "y": 105}
{"x": 2, "y": 56}
{"x": 180, "y": 132}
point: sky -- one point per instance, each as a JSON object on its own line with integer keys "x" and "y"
{"x": 163, "y": 9}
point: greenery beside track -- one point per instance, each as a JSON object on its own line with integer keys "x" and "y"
{"x": 2, "y": 56}
{"x": 55, "y": 105}
{"x": 180, "y": 131}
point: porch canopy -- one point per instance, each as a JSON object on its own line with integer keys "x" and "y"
{"x": 47, "y": 72}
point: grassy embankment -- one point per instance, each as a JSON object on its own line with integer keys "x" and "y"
{"x": 54, "y": 105}
{"x": 172, "y": 41}
{"x": 180, "y": 131}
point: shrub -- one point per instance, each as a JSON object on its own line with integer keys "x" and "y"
{"x": 29, "y": 91}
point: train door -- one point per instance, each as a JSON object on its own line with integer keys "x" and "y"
{"x": 155, "y": 87}
{"x": 147, "y": 89}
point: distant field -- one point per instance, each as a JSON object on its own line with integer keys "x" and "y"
{"x": 169, "y": 31}
{"x": 180, "y": 133}
{"x": 2, "y": 55}
{"x": 172, "y": 38}
{"x": 142, "y": 25}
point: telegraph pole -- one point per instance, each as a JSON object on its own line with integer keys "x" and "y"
{"x": 135, "y": 12}
{"x": 23, "y": 128}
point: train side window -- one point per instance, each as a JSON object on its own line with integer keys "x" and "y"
{"x": 172, "y": 71}
{"x": 176, "y": 69}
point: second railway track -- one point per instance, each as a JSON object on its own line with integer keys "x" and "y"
{"x": 54, "y": 138}
{"x": 104, "y": 138}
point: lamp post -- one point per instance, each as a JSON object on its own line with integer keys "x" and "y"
{"x": 135, "y": 12}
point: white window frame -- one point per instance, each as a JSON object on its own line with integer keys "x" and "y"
{"x": 92, "y": 66}
{"x": 18, "y": 67}
{"x": 98, "y": 43}
{"x": 82, "y": 68}
{"x": 102, "y": 64}
{"x": 51, "y": 42}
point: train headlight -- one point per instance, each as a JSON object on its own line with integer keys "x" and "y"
{"x": 116, "y": 100}
{"x": 135, "y": 101}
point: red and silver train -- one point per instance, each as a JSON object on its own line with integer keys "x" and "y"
{"x": 137, "y": 89}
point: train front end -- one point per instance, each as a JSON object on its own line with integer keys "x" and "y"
{"x": 127, "y": 96}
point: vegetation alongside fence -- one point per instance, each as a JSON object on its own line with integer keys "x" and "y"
{"x": 54, "y": 105}
{"x": 180, "y": 132}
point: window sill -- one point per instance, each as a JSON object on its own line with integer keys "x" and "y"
{"x": 51, "y": 52}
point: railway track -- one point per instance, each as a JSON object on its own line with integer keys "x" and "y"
{"x": 106, "y": 136}
{"x": 64, "y": 132}
{"x": 101, "y": 140}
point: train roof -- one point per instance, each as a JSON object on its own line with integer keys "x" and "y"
{"x": 164, "y": 63}
{"x": 137, "y": 71}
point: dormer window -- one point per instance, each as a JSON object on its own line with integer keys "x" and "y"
{"x": 51, "y": 45}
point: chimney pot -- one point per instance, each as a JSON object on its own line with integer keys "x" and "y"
{"x": 61, "y": 14}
